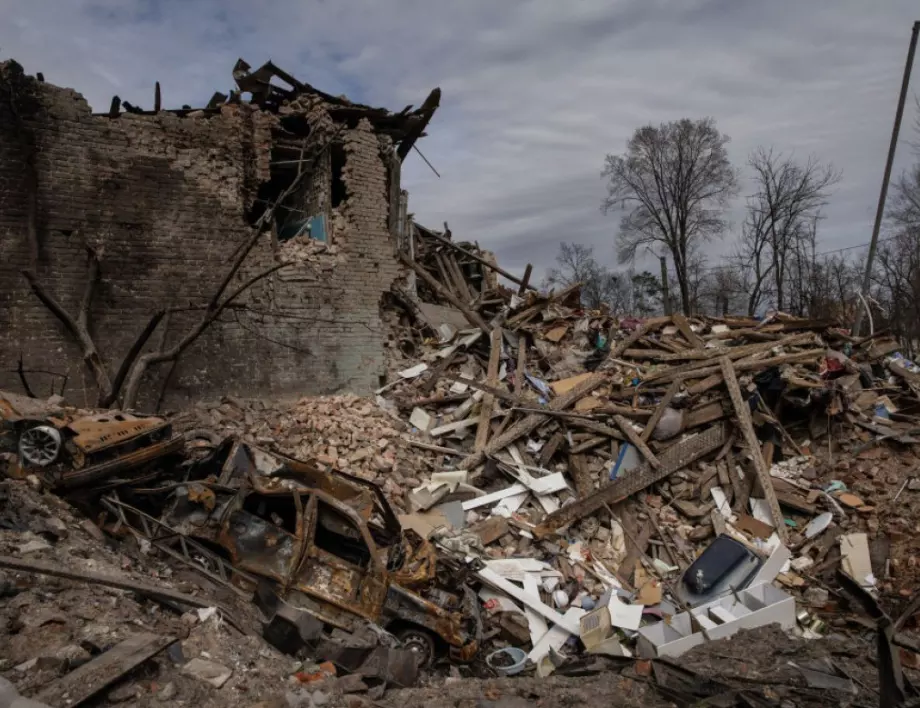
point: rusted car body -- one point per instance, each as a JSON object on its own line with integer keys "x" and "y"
{"x": 328, "y": 544}
{"x": 70, "y": 452}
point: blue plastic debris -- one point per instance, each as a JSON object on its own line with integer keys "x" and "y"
{"x": 628, "y": 460}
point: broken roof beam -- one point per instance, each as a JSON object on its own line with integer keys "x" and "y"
{"x": 482, "y": 261}
{"x": 473, "y": 317}
{"x": 425, "y": 114}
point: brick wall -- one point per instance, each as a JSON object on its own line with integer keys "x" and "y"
{"x": 163, "y": 200}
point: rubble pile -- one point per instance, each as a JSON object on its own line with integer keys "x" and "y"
{"x": 539, "y": 492}
{"x": 589, "y": 462}
{"x": 346, "y": 433}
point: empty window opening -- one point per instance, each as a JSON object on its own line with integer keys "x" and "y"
{"x": 337, "y": 535}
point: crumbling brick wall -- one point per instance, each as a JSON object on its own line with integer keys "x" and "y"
{"x": 164, "y": 201}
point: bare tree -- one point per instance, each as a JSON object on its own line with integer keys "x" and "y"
{"x": 752, "y": 260}
{"x": 782, "y": 212}
{"x": 673, "y": 185}
{"x": 131, "y": 371}
{"x": 600, "y": 285}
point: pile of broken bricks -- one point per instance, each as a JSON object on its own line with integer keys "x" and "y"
{"x": 588, "y": 463}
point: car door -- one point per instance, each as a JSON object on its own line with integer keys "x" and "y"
{"x": 341, "y": 563}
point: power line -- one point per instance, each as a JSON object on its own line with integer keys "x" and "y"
{"x": 817, "y": 255}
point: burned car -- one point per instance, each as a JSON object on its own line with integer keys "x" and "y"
{"x": 68, "y": 451}
{"x": 323, "y": 545}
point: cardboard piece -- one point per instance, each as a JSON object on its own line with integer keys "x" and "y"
{"x": 855, "y": 560}
{"x": 753, "y": 526}
{"x": 565, "y": 385}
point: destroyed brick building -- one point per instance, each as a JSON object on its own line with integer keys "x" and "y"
{"x": 124, "y": 214}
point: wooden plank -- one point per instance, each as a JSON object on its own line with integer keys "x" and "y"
{"x": 155, "y": 592}
{"x": 673, "y": 459}
{"x": 436, "y": 374}
{"x": 446, "y": 280}
{"x": 637, "y": 441}
{"x": 531, "y": 422}
{"x": 714, "y": 376}
{"x": 474, "y": 318}
{"x": 460, "y": 282}
{"x": 598, "y": 428}
{"x": 588, "y": 445}
{"x": 84, "y": 682}
{"x": 549, "y": 449}
{"x": 645, "y": 328}
{"x": 740, "y": 500}
{"x": 565, "y": 385}
{"x": 578, "y": 468}
{"x": 698, "y": 369}
{"x": 707, "y": 413}
{"x": 742, "y": 411}
{"x": 525, "y": 281}
{"x": 488, "y": 401}
{"x": 659, "y": 411}
{"x": 478, "y": 259}
{"x": 684, "y": 326}
{"x": 90, "y": 678}
{"x": 709, "y": 382}
{"x": 520, "y": 371}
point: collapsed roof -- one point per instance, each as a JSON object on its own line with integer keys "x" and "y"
{"x": 262, "y": 85}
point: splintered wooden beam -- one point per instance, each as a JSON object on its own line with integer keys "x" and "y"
{"x": 87, "y": 680}
{"x": 473, "y": 317}
{"x": 750, "y": 438}
{"x": 521, "y": 365}
{"x": 488, "y": 401}
{"x": 675, "y": 458}
{"x": 659, "y": 411}
{"x": 429, "y": 106}
{"x": 637, "y": 441}
{"x": 685, "y": 329}
{"x": 525, "y": 281}
{"x": 532, "y": 422}
{"x": 480, "y": 260}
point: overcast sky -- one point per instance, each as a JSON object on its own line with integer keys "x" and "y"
{"x": 535, "y": 92}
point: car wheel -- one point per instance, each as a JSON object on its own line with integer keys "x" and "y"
{"x": 40, "y": 446}
{"x": 419, "y": 642}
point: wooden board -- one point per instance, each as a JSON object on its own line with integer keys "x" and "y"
{"x": 637, "y": 441}
{"x": 87, "y": 680}
{"x": 750, "y": 438}
{"x": 488, "y": 401}
{"x": 659, "y": 411}
{"x": 673, "y": 459}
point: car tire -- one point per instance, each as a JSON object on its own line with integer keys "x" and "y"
{"x": 419, "y": 641}
{"x": 40, "y": 446}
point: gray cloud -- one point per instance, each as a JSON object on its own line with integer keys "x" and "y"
{"x": 535, "y": 91}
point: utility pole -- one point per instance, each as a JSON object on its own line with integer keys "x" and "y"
{"x": 880, "y": 211}
{"x": 665, "y": 296}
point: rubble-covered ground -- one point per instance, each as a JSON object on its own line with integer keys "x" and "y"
{"x": 577, "y": 463}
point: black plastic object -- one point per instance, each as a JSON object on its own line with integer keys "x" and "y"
{"x": 725, "y": 565}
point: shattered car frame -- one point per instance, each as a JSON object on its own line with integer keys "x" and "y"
{"x": 70, "y": 452}
{"x": 327, "y": 544}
